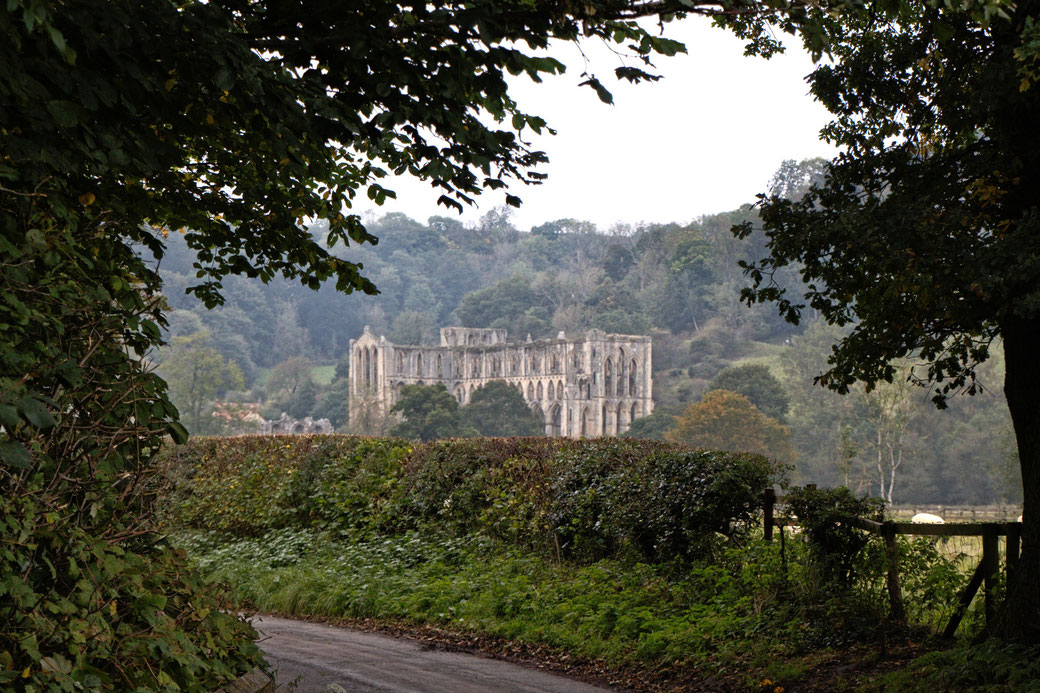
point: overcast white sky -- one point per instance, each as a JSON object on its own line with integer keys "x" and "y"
{"x": 706, "y": 138}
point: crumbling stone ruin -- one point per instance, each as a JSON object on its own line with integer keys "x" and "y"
{"x": 286, "y": 425}
{"x": 243, "y": 418}
{"x": 591, "y": 386}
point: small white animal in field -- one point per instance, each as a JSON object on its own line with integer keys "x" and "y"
{"x": 927, "y": 519}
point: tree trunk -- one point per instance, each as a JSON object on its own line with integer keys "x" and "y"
{"x": 1019, "y": 619}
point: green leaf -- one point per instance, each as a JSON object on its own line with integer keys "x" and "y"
{"x": 604, "y": 95}
{"x": 9, "y": 416}
{"x": 36, "y": 413}
{"x": 65, "y": 113}
{"x": 178, "y": 432}
{"x": 14, "y": 454}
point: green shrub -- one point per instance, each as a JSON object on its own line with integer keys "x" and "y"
{"x": 664, "y": 501}
{"x": 89, "y": 598}
{"x": 484, "y": 484}
{"x": 836, "y": 544}
{"x": 991, "y": 665}
{"x": 356, "y": 488}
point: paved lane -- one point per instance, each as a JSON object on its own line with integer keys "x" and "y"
{"x": 318, "y": 658}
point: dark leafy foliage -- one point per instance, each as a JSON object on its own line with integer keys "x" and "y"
{"x": 922, "y": 236}
{"x": 87, "y": 592}
{"x": 755, "y": 382}
{"x": 653, "y": 427}
{"x": 665, "y": 502}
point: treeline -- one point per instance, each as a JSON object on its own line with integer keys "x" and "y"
{"x": 280, "y": 347}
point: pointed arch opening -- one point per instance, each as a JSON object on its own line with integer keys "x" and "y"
{"x": 540, "y": 414}
{"x": 556, "y": 420}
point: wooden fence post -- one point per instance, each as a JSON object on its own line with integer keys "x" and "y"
{"x": 895, "y": 592}
{"x": 990, "y": 566}
{"x": 769, "y": 500}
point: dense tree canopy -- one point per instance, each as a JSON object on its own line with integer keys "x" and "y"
{"x": 725, "y": 420}
{"x": 653, "y": 427}
{"x": 225, "y": 123}
{"x": 429, "y": 412}
{"x": 498, "y": 409}
{"x": 755, "y": 382}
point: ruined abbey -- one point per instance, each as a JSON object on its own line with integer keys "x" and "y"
{"x": 591, "y": 386}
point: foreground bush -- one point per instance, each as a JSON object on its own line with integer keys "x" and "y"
{"x": 585, "y": 499}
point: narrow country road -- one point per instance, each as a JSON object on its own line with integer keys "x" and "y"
{"x": 318, "y": 658}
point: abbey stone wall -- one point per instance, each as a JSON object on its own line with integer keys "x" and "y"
{"x": 590, "y": 386}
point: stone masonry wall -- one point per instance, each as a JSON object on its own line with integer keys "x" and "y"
{"x": 590, "y": 386}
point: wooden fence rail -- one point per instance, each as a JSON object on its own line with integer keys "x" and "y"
{"x": 985, "y": 574}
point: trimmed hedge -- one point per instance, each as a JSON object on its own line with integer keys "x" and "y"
{"x": 580, "y": 499}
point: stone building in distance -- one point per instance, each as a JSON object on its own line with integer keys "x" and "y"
{"x": 591, "y": 386}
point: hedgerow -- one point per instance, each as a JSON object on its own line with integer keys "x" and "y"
{"x": 584, "y": 500}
